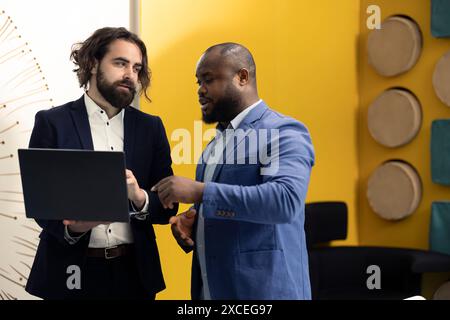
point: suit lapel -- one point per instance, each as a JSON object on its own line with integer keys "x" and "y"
{"x": 80, "y": 118}
{"x": 129, "y": 134}
{"x": 201, "y": 165}
{"x": 200, "y": 172}
{"x": 246, "y": 125}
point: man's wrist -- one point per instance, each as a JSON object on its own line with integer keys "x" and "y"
{"x": 139, "y": 203}
{"x": 200, "y": 188}
{"x": 141, "y": 207}
{"x": 73, "y": 233}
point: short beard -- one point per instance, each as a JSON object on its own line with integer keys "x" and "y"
{"x": 111, "y": 94}
{"x": 225, "y": 109}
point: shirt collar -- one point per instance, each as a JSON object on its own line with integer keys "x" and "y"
{"x": 234, "y": 124}
{"x": 92, "y": 107}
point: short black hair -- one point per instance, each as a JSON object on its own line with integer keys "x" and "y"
{"x": 239, "y": 55}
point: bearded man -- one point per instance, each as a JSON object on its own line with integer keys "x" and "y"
{"x": 114, "y": 260}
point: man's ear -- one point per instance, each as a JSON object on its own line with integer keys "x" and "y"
{"x": 95, "y": 68}
{"x": 243, "y": 75}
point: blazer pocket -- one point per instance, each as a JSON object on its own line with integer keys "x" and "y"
{"x": 264, "y": 275}
{"x": 267, "y": 259}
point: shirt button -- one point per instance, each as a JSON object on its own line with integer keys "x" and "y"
{"x": 109, "y": 230}
{"x": 107, "y": 123}
{"x": 101, "y": 111}
{"x": 112, "y": 148}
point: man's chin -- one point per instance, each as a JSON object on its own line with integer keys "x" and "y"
{"x": 208, "y": 119}
{"x": 119, "y": 104}
{"x": 123, "y": 101}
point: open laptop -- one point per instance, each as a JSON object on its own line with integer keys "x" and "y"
{"x": 74, "y": 184}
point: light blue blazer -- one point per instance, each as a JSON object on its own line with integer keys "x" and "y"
{"x": 254, "y": 223}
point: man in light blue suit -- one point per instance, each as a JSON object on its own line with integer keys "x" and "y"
{"x": 247, "y": 224}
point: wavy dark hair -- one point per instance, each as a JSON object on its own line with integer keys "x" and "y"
{"x": 85, "y": 54}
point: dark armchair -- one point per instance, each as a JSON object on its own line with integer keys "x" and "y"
{"x": 341, "y": 272}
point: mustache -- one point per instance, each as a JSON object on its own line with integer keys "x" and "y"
{"x": 126, "y": 83}
{"x": 203, "y": 99}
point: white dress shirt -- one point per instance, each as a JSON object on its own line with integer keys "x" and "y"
{"x": 215, "y": 148}
{"x": 107, "y": 135}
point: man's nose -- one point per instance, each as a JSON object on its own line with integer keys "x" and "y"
{"x": 130, "y": 73}
{"x": 201, "y": 90}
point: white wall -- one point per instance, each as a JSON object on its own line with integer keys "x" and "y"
{"x": 49, "y": 28}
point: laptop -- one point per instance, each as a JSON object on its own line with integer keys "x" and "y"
{"x": 74, "y": 184}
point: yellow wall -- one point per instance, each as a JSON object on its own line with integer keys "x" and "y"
{"x": 411, "y": 232}
{"x": 306, "y": 53}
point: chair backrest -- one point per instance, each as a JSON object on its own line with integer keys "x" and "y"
{"x": 325, "y": 221}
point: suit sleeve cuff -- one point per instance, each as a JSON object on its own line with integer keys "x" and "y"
{"x": 209, "y": 200}
{"x": 71, "y": 239}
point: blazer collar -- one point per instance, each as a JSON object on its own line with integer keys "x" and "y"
{"x": 129, "y": 134}
{"x": 254, "y": 115}
{"x": 81, "y": 121}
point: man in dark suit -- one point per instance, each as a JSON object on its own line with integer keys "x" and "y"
{"x": 99, "y": 259}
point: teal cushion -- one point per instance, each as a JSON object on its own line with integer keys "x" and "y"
{"x": 440, "y": 151}
{"x": 440, "y": 227}
{"x": 440, "y": 21}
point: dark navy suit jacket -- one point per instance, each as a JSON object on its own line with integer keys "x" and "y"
{"x": 147, "y": 154}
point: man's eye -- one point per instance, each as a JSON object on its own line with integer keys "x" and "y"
{"x": 205, "y": 81}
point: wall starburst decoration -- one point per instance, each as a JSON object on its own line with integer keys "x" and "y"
{"x": 23, "y": 91}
